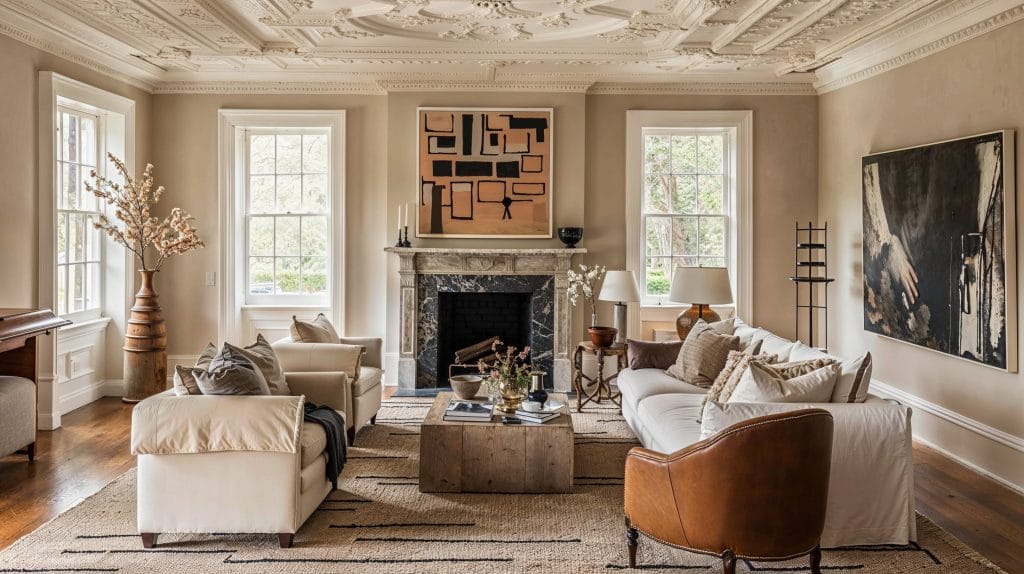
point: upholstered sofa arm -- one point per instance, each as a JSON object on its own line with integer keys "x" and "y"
{"x": 311, "y": 357}
{"x": 649, "y": 501}
{"x": 374, "y": 356}
{"x": 330, "y": 389}
{"x": 170, "y": 424}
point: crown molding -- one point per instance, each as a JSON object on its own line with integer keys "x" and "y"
{"x": 704, "y": 88}
{"x": 269, "y": 87}
{"x": 524, "y": 84}
{"x": 17, "y": 27}
{"x": 942, "y": 28}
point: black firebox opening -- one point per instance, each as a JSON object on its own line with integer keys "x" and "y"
{"x": 465, "y": 319}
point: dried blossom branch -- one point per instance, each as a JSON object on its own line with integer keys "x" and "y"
{"x": 132, "y": 204}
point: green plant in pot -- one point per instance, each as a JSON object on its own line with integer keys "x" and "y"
{"x": 510, "y": 371}
{"x": 584, "y": 284}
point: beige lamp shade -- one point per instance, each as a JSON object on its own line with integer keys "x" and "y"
{"x": 619, "y": 286}
{"x": 701, "y": 286}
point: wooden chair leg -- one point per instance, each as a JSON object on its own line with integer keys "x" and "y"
{"x": 728, "y": 562}
{"x": 632, "y": 539}
{"x": 148, "y": 539}
{"x": 31, "y": 452}
{"x": 816, "y": 560}
{"x": 351, "y": 436}
{"x": 286, "y": 539}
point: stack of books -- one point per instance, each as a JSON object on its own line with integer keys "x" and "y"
{"x": 469, "y": 411}
{"x": 539, "y": 417}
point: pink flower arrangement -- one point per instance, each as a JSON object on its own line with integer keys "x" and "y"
{"x": 511, "y": 366}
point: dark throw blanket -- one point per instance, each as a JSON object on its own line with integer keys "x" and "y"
{"x": 334, "y": 426}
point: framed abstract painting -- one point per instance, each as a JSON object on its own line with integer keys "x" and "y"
{"x": 940, "y": 260}
{"x": 485, "y": 172}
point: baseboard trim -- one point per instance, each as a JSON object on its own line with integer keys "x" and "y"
{"x": 974, "y": 467}
{"x": 83, "y": 396}
{"x": 113, "y": 388}
{"x": 890, "y": 392}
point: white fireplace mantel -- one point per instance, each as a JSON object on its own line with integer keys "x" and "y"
{"x": 416, "y": 261}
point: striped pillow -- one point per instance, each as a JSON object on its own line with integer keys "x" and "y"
{"x": 703, "y": 355}
{"x": 854, "y": 379}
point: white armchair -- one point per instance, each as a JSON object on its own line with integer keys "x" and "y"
{"x": 313, "y": 369}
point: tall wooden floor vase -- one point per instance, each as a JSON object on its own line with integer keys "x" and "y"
{"x": 145, "y": 345}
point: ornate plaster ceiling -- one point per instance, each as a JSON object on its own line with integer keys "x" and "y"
{"x": 416, "y": 44}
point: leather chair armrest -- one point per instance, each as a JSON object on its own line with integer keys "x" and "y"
{"x": 374, "y": 356}
{"x": 331, "y": 389}
{"x": 649, "y": 496}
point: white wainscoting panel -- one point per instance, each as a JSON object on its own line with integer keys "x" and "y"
{"x": 81, "y": 349}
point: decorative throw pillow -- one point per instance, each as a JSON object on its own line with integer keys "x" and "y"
{"x": 797, "y": 368}
{"x": 184, "y": 382}
{"x": 774, "y": 344}
{"x": 802, "y": 352}
{"x": 319, "y": 330}
{"x": 350, "y": 359}
{"x": 231, "y": 373}
{"x": 652, "y": 355}
{"x": 263, "y": 356}
{"x": 763, "y": 384}
{"x": 702, "y": 356}
{"x": 746, "y": 334}
{"x": 725, "y": 326}
{"x": 854, "y": 379}
{"x": 735, "y": 365}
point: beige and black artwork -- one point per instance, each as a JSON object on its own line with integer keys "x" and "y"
{"x": 485, "y": 172}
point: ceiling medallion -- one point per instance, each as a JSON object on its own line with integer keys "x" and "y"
{"x": 502, "y": 9}
{"x": 486, "y": 32}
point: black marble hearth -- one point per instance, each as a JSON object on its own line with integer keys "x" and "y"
{"x": 539, "y": 308}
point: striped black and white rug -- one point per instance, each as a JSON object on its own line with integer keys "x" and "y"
{"x": 379, "y": 522}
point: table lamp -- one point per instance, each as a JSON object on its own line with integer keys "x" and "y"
{"x": 701, "y": 287}
{"x": 620, "y": 287}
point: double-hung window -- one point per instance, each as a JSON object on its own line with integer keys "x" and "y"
{"x": 79, "y": 245}
{"x": 288, "y": 215}
{"x": 688, "y": 201}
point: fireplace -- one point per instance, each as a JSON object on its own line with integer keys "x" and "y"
{"x": 459, "y": 310}
{"x": 529, "y": 285}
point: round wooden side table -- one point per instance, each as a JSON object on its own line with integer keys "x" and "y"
{"x": 598, "y": 387}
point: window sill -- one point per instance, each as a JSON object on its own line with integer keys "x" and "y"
{"x": 277, "y": 306}
{"x": 87, "y": 327}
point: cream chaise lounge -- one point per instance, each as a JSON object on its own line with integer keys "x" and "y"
{"x": 358, "y": 399}
{"x": 228, "y": 464}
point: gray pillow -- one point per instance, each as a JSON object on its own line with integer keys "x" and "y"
{"x": 184, "y": 381}
{"x": 231, "y": 373}
{"x": 263, "y": 356}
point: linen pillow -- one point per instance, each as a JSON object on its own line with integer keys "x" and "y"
{"x": 854, "y": 379}
{"x": 702, "y": 356}
{"x": 231, "y": 373}
{"x": 763, "y": 384}
{"x": 725, "y": 326}
{"x": 652, "y": 355}
{"x": 797, "y": 368}
{"x": 319, "y": 330}
{"x": 746, "y": 333}
{"x": 725, "y": 383}
{"x": 802, "y": 352}
{"x": 263, "y": 356}
{"x": 351, "y": 358}
{"x": 184, "y": 382}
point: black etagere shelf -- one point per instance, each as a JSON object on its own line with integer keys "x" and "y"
{"x": 810, "y": 269}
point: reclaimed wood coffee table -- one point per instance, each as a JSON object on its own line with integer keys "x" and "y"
{"x": 492, "y": 457}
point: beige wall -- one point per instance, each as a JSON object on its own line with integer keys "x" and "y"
{"x": 19, "y": 144}
{"x": 785, "y": 185}
{"x": 971, "y": 88}
{"x": 186, "y": 145}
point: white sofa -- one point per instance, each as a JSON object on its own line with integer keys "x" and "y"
{"x": 359, "y": 399}
{"x": 871, "y": 489}
{"x": 227, "y": 464}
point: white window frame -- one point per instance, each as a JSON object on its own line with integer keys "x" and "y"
{"x": 75, "y": 107}
{"x": 234, "y": 183}
{"x": 739, "y": 203}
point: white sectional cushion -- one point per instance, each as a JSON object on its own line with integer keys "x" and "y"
{"x": 772, "y": 344}
{"x": 762, "y": 384}
{"x": 746, "y": 333}
{"x": 670, "y": 421}
{"x": 637, "y": 385}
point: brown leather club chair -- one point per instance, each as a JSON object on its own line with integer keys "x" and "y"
{"x": 757, "y": 490}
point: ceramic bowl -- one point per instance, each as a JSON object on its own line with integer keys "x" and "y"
{"x": 466, "y": 386}
{"x": 532, "y": 406}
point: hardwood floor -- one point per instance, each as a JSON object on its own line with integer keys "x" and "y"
{"x": 92, "y": 449}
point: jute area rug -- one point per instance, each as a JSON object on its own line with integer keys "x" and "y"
{"x": 379, "y": 522}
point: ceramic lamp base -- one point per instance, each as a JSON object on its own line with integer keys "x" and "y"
{"x": 688, "y": 318}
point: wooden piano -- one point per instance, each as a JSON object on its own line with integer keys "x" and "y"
{"x": 18, "y": 334}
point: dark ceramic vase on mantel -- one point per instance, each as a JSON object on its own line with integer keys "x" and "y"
{"x": 570, "y": 236}
{"x": 145, "y": 345}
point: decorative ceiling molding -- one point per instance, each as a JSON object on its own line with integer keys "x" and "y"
{"x": 576, "y": 46}
{"x": 945, "y": 27}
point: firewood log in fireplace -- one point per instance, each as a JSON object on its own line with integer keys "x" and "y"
{"x": 474, "y": 353}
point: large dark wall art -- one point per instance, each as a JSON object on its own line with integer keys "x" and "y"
{"x": 940, "y": 247}
{"x": 485, "y": 172}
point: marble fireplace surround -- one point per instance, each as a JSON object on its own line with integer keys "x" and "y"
{"x": 516, "y": 270}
